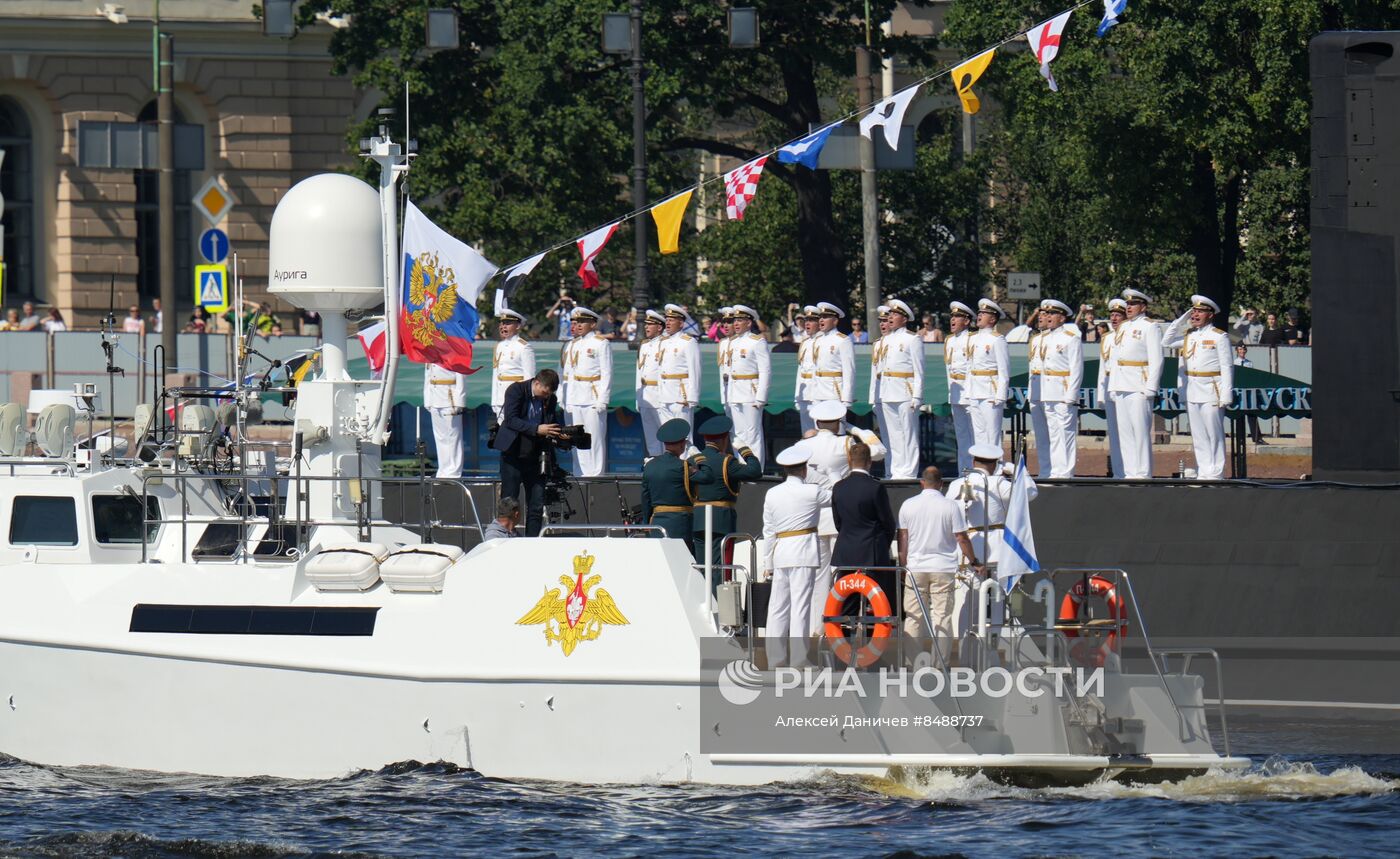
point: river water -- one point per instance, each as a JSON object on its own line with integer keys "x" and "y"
{"x": 1287, "y": 805}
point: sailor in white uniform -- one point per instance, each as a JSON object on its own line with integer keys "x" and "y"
{"x": 1137, "y": 369}
{"x": 790, "y": 513}
{"x": 749, "y": 369}
{"x": 725, "y": 332}
{"x": 985, "y": 496}
{"x": 882, "y": 316}
{"x": 445, "y": 398}
{"x": 679, "y": 387}
{"x": 1061, "y": 350}
{"x": 513, "y": 361}
{"x": 1206, "y": 376}
{"x": 899, "y": 383}
{"x": 829, "y": 463}
{"x": 806, "y": 366}
{"x": 586, "y": 370}
{"x": 957, "y": 354}
{"x": 1117, "y": 312}
{"x": 1040, "y": 428}
{"x": 648, "y": 378}
{"x": 988, "y": 375}
{"x": 833, "y": 361}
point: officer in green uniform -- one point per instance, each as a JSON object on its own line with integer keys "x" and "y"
{"x": 669, "y": 482}
{"x": 723, "y": 493}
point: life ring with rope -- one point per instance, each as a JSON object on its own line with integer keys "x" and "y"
{"x": 1104, "y": 589}
{"x": 841, "y": 589}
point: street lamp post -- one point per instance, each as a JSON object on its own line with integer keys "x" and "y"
{"x": 641, "y": 281}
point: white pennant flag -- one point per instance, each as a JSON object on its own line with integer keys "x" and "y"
{"x": 890, "y": 114}
{"x": 1045, "y": 44}
{"x": 512, "y": 278}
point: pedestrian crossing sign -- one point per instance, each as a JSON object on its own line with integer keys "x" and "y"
{"x": 211, "y": 287}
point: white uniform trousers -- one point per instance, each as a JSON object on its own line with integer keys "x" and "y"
{"x": 1040, "y": 427}
{"x": 670, "y": 411}
{"x": 899, "y": 430}
{"x": 1134, "y": 433}
{"x": 789, "y": 613}
{"x": 447, "y": 433}
{"x": 1062, "y": 422}
{"x": 748, "y": 427}
{"x": 986, "y": 422}
{"x": 804, "y": 416}
{"x": 591, "y": 462}
{"x": 821, "y": 584}
{"x": 962, "y": 430}
{"x": 1115, "y": 451}
{"x": 651, "y": 422}
{"x": 1208, "y": 438}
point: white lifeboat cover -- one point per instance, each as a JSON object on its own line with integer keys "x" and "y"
{"x": 346, "y": 566}
{"x": 419, "y": 569}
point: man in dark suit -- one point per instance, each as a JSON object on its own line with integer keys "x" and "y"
{"x": 531, "y": 423}
{"x": 860, "y": 508}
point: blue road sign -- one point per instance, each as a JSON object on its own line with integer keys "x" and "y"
{"x": 213, "y": 245}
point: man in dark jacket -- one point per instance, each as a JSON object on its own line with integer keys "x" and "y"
{"x": 730, "y": 471}
{"x": 860, "y": 508}
{"x": 531, "y": 422}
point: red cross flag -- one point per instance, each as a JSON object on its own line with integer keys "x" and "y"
{"x": 740, "y": 184}
{"x": 589, "y": 247}
{"x": 1045, "y": 43}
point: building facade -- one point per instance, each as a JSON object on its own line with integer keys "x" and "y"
{"x": 77, "y": 125}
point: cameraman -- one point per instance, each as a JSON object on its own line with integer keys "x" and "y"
{"x": 530, "y": 426}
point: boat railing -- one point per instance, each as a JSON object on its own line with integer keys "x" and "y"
{"x": 64, "y": 467}
{"x": 555, "y": 530}
{"x": 1187, "y": 654}
{"x": 297, "y": 520}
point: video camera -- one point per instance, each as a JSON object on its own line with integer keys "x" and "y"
{"x": 576, "y": 437}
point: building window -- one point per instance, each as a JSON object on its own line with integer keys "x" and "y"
{"x": 17, "y": 187}
{"x": 148, "y": 209}
{"x": 41, "y": 520}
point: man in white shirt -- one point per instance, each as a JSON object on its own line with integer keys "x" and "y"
{"x": 648, "y": 378}
{"x": 932, "y": 529}
{"x": 1061, "y": 353}
{"x": 806, "y": 367}
{"x": 445, "y": 398}
{"x": 513, "y": 361}
{"x": 790, "y": 513}
{"x": 1137, "y": 370}
{"x": 1040, "y": 428}
{"x": 989, "y": 375}
{"x": 586, "y": 368}
{"x": 833, "y": 360}
{"x": 678, "y": 391}
{"x": 1117, "y": 313}
{"x": 748, "y": 367}
{"x": 1206, "y": 377}
{"x": 957, "y": 349}
{"x": 899, "y": 383}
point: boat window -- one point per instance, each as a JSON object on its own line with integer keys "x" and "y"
{"x": 41, "y": 520}
{"x": 118, "y": 519}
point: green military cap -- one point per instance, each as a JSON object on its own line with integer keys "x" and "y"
{"x": 717, "y": 425}
{"x": 676, "y": 429}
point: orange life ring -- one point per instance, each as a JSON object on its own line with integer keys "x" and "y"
{"x": 846, "y": 586}
{"x": 1105, "y": 590}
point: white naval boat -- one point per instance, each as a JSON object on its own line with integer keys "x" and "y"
{"x": 201, "y": 605}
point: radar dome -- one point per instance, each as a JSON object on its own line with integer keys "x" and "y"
{"x": 327, "y": 249}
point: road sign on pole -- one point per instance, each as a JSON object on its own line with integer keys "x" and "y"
{"x": 213, "y": 200}
{"x": 1023, "y": 285}
{"x": 211, "y": 287}
{"x": 213, "y": 245}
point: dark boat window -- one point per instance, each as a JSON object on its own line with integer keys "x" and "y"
{"x": 118, "y": 519}
{"x": 219, "y": 540}
{"x": 39, "y": 520}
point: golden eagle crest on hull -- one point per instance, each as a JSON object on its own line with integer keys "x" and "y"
{"x": 569, "y": 613}
{"x": 432, "y": 290}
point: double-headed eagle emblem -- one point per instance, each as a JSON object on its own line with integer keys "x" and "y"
{"x": 433, "y": 291}
{"x": 569, "y": 614}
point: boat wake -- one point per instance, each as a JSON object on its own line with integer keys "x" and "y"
{"x": 1273, "y": 779}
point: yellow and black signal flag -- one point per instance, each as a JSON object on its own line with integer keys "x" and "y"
{"x": 966, "y": 74}
{"x": 668, "y": 215}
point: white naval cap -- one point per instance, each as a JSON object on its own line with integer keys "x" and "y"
{"x": 677, "y": 312}
{"x": 882, "y": 311}
{"x": 1200, "y": 302}
{"x": 957, "y": 308}
{"x": 583, "y": 314}
{"x": 809, "y": 310}
{"x": 798, "y": 454}
{"x": 1136, "y": 295}
{"x": 1052, "y": 304}
{"x": 655, "y": 316}
{"x": 508, "y": 315}
{"x": 1117, "y": 304}
{"x": 897, "y": 306}
{"x": 985, "y": 451}
{"x": 725, "y": 312}
{"x": 828, "y": 410}
{"x": 986, "y": 305}
{"x": 826, "y": 308}
{"x": 744, "y": 310}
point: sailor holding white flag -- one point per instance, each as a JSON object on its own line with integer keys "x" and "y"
{"x": 1018, "y": 543}
{"x": 986, "y": 496}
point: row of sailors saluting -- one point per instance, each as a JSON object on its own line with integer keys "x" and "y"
{"x": 976, "y": 361}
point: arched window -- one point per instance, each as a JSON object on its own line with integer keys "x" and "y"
{"x": 17, "y": 187}
{"x": 148, "y": 225}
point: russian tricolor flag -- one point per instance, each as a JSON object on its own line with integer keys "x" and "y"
{"x": 442, "y": 279}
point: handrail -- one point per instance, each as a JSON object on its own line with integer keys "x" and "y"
{"x": 610, "y": 530}
{"x": 1188, "y": 652}
{"x": 753, "y": 571}
{"x": 13, "y": 462}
